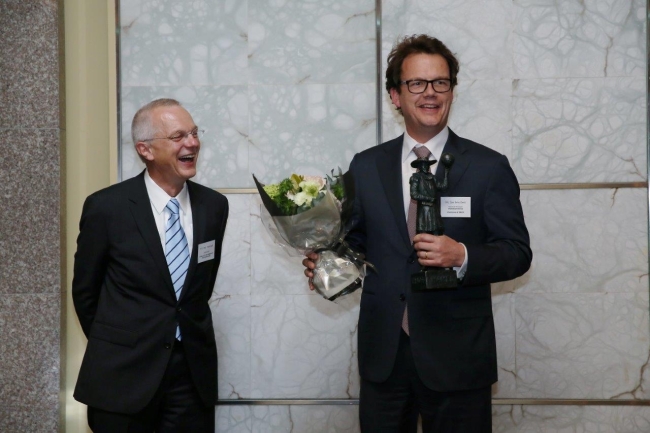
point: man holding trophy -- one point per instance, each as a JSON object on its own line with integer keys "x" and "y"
{"x": 437, "y": 240}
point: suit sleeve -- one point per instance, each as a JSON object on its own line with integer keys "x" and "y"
{"x": 356, "y": 237}
{"x": 506, "y": 253}
{"x": 89, "y": 262}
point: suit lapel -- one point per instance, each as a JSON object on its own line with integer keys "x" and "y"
{"x": 390, "y": 173}
{"x": 199, "y": 225}
{"x": 456, "y": 147}
{"x": 140, "y": 207}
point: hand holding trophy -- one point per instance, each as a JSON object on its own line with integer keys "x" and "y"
{"x": 425, "y": 190}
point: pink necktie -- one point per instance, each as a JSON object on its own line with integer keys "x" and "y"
{"x": 420, "y": 152}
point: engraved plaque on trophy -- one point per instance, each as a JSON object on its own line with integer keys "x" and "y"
{"x": 425, "y": 190}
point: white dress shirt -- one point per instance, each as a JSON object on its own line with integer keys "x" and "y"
{"x": 159, "y": 199}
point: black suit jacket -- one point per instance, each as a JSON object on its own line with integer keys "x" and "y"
{"x": 125, "y": 301}
{"x": 452, "y": 332}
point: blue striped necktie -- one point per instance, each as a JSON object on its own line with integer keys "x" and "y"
{"x": 176, "y": 251}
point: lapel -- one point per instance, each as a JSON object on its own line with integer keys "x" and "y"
{"x": 456, "y": 146}
{"x": 140, "y": 207}
{"x": 199, "y": 225}
{"x": 390, "y": 173}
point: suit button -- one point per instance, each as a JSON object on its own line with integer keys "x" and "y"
{"x": 168, "y": 346}
{"x": 411, "y": 260}
{"x": 178, "y": 309}
{"x": 402, "y": 297}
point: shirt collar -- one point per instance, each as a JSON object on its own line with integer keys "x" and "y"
{"x": 159, "y": 198}
{"x": 435, "y": 144}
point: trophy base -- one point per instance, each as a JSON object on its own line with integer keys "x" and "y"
{"x": 430, "y": 279}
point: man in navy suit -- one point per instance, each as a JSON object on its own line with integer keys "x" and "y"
{"x": 431, "y": 353}
{"x": 147, "y": 257}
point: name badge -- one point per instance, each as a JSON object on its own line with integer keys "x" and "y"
{"x": 456, "y": 207}
{"x": 206, "y": 252}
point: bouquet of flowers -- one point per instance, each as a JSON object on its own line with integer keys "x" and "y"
{"x": 313, "y": 214}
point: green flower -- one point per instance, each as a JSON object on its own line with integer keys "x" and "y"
{"x": 273, "y": 190}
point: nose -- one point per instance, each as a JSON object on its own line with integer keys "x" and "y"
{"x": 192, "y": 141}
{"x": 429, "y": 89}
{"x": 191, "y": 144}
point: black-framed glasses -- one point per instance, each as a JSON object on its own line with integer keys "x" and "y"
{"x": 180, "y": 135}
{"x": 440, "y": 85}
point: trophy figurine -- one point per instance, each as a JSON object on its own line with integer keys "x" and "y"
{"x": 425, "y": 190}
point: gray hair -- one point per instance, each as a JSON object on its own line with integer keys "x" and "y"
{"x": 142, "y": 127}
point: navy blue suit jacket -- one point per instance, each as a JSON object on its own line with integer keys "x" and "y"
{"x": 452, "y": 332}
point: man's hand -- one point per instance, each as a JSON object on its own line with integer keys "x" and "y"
{"x": 310, "y": 265}
{"x": 439, "y": 251}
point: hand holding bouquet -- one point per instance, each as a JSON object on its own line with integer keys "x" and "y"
{"x": 313, "y": 214}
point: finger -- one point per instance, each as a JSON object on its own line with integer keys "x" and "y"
{"x": 424, "y": 237}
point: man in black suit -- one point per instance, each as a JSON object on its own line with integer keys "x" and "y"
{"x": 431, "y": 353}
{"x": 147, "y": 257}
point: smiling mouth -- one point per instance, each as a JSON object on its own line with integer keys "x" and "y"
{"x": 187, "y": 158}
{"x": 430, "y": 106}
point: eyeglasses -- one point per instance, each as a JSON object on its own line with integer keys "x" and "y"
{"x": 179, "y": 136}
{"x": 440, "y": 85}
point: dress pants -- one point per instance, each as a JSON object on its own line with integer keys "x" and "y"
{"x": 175, "y": 408}
{"x": 393, "y": 406}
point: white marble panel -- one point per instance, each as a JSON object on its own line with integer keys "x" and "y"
{"x": 294, "y": 42}
{"x": 591, "y": 345}
{"x": 482, "y": 112}
{"x": 583, "y": 419}
{"x": 181, "y": 43}
{"x": 234, "y": 277}
{"x": 222, "y": 111}
{"x": 503, "y": 308}
{"x": 586, "y": 241}
{"x": 574, "y": 38}
{"x": 305, "y": 419}
{"x": 579, "y": 130}
{"x": 479, "y": 33}
{"x": 304, "y": 346}
{"x": 233, "y": 419}
{"x": 231, "y": 316}
{"x": 309, "y": 129}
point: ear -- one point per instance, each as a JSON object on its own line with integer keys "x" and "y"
{"x": 144, "y": 150}
{"x": 394, "y": 97}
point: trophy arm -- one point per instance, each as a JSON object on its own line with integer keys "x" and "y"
{"x": 414, "y": 181}
{"x": 445, "y": 181}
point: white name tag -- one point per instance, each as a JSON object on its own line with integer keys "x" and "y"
{"x": 206, "y": 252}
{"x": 456, "y": 207}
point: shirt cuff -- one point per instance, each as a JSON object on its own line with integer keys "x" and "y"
{"x": 460, "y": 271}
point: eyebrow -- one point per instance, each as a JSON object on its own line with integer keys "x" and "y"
{"x": 424, "y": 79}
{"x": 181, "y": 131}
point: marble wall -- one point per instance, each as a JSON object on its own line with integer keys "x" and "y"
{"x": 558, "y": 87}
{"x": 30, "y": 242}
